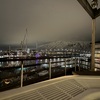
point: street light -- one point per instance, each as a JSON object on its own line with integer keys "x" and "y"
{"x": 94, "y": 4}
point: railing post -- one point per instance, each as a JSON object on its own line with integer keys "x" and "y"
{"x": 49, "y": 69}
{"x": 21, "y": 73}
{"x": 79, "y": 63}
{"x": 75, "y": 64}
{"x": 65, "y": 66}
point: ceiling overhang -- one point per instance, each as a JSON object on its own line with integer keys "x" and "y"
{"x": 93, "y": 13}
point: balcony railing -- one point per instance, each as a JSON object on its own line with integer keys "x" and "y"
{"x": 30, "y": 70}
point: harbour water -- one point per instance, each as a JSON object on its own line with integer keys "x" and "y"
{"x": 37, "y": 69}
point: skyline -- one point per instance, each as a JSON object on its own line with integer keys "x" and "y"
{"x": 45, "y": 20}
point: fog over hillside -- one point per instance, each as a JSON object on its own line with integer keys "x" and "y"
{"x": 61, "y": 44}
{"x": 81, "y": 45}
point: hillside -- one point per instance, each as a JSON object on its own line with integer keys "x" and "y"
{"x": 78, "y": 45}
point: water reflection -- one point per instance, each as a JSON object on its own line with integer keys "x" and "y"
{"x": 35, "y": 72}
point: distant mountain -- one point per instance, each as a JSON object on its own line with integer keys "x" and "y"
{"x": 81, "y": 45}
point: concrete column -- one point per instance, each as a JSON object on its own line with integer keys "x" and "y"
{"x": 93, "y": 44}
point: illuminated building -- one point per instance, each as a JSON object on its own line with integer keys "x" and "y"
{"x": 97, "y": 56}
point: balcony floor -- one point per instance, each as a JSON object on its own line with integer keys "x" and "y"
{"x": 62, "y": 88}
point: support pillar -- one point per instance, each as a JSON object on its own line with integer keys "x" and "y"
{"x": 93, "y": 45}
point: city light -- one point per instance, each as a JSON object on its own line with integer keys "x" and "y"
{"x": 94, "y": 4}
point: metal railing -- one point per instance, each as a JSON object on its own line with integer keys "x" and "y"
{"x": 74, "y": 62}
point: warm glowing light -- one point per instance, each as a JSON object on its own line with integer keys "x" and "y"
{"x": 94, "y": 4}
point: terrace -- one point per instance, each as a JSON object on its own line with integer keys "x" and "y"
{"x": 62, "y": 88}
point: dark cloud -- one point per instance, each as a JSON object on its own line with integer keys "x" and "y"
{"x": 45, "y": 20}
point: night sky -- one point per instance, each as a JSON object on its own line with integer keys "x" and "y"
{"x": 45, "y": 20}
